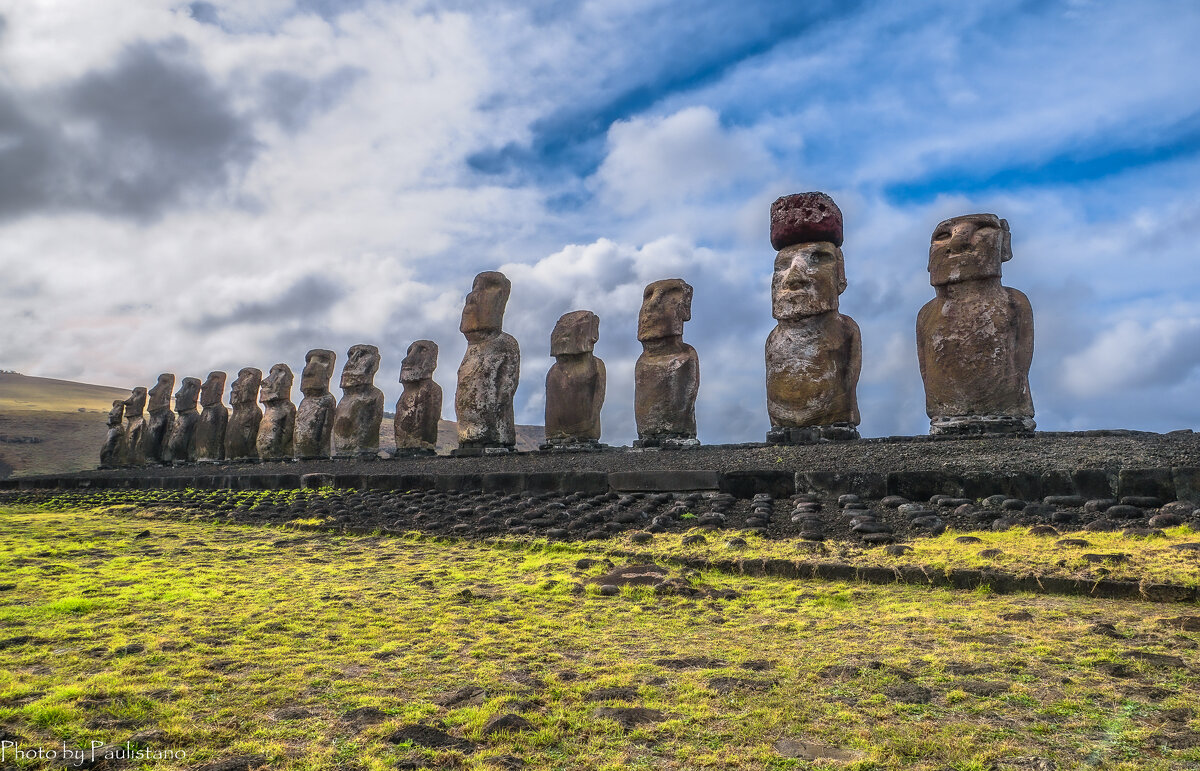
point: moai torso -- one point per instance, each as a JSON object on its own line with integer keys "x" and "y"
{"x": 490, "y": 368}
{"x": 241, "y": 435}
{"x": 810, "y": 378}
{"x": 576, "y": 382}
{"x": 314, "y": 417}
{"x": 975, "y": 339}
{"x": 666, "y": 378}
{"x": 180, "y": 442}
{"x": 276, "y": 431}
{"x": 158, "y": 427}
{"x": 209, "y": 439}
{"x": 814, "y": 354}
{"x": 360, "y": 411}
{"x": 419, "y": 407}
{"x": 134, "y": 443}
{"x": 112, "y": 453}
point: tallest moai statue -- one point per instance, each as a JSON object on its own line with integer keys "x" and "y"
{"x": 975, "y": 339}
{"x": 814, "y": 354}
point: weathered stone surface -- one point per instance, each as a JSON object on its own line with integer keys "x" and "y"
{"x": 134, "y": 444}
{"x": 576, "y": 382}
{"x": 209, "y": 439}
{"x": 180, "y": 446}
{"x": 113, "y": 451}
{"x": 241, "y": 436}
{"x": 158, "y": 425}
{"x": 814, "y": 354}
{"x": 803, "y": 218}
{"x": 278, "y": 426}
{"x": 667, "y": 374}
{"x": 360, "y": 412}
{"x": 975, "y": 339}
{"x": 314, "y": 417}
{"x": 490, "y": 368}
{"x": 420, "y": 405}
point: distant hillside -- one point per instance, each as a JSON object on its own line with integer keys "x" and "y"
{"x": 58, "y": 426}
{"x": 51, "y": 426}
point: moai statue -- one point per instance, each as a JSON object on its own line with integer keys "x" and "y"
{"x": 666, "y": 377}
{"x": 420, "y": 406}
{"x": 490, "y": 369}
{"x": 135, "y": 429}
{"x": 209, "y": 440}
{"x": 158, "y": 427}
{"x": 112, "y": 454}
{"x": 975, "y": 338}
{"x": 275, "y": 432}
{"x": 181, "y": 442}
{"x": 241, "y": 436}
{"x": 814, "y": 353}
{"x": 574, "y": 384}
{"x": 360, "y": 410}
{"x": 314, "y": 419}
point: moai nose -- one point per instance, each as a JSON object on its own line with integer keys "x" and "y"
{"x": 960, "y": 237}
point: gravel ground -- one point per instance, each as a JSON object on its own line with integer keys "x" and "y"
{"x": 1108, "y": 450}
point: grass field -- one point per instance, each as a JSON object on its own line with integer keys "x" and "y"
{"x": 315, "y": 651}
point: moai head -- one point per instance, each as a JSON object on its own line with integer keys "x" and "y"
{"x": 807, "y": 281}
{"x": 277, "y": 386}
{"x": 135, "y": 403}
{"x": 189, "y": 391}
{"x": 213, "y": 389}
{"x": 666, "y": 305}
{"x": 317, "y": 372}
{"x": 160, "y": 394}
{"x": 245, "y": 388}
{"x": 575, "y": 332}
{"x": 968, "y": 248}
{"x": 362, "y": 362}
{"x": 484, "y": 308}
{"x": 420, "y": 362}
{"x": 117, "y": 413}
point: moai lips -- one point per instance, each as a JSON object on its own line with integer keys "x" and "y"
{"x": 360, "y": 411}
{"x": 277, "y": 429}
{"x": 490, "y": 368}
{"x": 975, "y": 338}
{"x": 241, "y": 436}
{"x": 575, "y": 383}
{"x": 314, "y": 417}
{"x": 814, "y": 353}
{"x": 419, "y": 408}
{"x": 180, "y": 446}
{"x": 667, "y": 374}
{"x": 209, "y": 438}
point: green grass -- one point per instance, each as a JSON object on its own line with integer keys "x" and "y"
{"x": 209, "y": 633}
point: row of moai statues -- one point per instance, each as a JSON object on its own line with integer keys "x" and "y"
{"x": 974, "y": 346}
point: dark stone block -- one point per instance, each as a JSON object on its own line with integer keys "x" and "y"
{"x": 591, "y": 482}
{"x": 313, "y": 481}
{"x": 876, "y": 575}
{"x": 450, "y": 483}
{"x": 1150, "y": 482}
{"x": 1057, "y": 483}
{"x": 415, "y": 482}
{"x": 664, "y": 481}
{"x": 1093, "y": 483}
{"x": 1187, "y": 483}
{"x": 379, "y": 481}
{"x": 747, "y": 484}
{"x": 923, "y": 485}
{"x": 866, "y": 485}
{"x": 353, "y": 481}
{"x": 506, "y": 482}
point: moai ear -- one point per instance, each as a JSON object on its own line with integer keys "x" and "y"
{"x": 1006, "y": 245}
{"x": 841, "y": 272}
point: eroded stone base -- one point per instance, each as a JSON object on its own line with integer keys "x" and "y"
{"x": 836, "y": 432}
{"x": 579, "y": 445}
{"x": 667, "y": 443}
{"x": 475, "y": 452}
{"x": 980, "y": 425}
{"x": 413, "y": 452}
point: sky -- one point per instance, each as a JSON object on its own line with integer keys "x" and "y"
{"x": 226, "y": 183}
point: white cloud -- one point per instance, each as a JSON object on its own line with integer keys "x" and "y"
{"x": 1132, "y": 354}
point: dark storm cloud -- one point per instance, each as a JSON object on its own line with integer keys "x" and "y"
{"x": 291, "y": 100}
{"x": 310, "y": 296}
{"x": 149, "y": 133}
